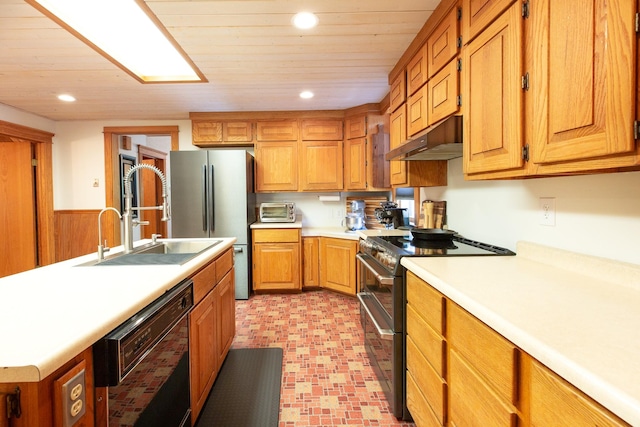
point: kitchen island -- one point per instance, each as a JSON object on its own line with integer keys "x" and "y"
{"x": 575, "y": 314}
{"x": 51, "y": 317}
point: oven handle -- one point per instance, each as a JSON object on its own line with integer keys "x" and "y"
{"x": 385, "y": 334}
{"x": 381, "y": 276}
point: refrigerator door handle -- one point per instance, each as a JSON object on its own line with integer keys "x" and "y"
{"x": 237, "y": 249}
{"x": 213, "y": 202}
{"x": 204, "y": 197}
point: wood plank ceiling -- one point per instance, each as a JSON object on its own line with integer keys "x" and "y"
{"x": 248, "y": 50}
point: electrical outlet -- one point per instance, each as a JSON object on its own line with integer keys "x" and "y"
{"x": 547, "y": 211}
{"x": 72, "y": 395}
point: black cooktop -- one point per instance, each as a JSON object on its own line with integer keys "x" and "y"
{"x": 456, "y": 246}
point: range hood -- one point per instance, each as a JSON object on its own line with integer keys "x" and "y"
{"x": 442, "y": 141}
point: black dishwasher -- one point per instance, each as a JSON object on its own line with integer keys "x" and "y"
{"x": 144, "y": 364}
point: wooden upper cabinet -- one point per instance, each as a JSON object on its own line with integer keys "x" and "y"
{"x": 203, "y": 132}
{"x": 478, "y": 14}
{"x": 492, "y": 96}
{"x": 355, "y": 164}
{"x": 356, "y": 127}
{"x": 277, "y": 130}
{"x": 397, "y": 136}
{"x": 276, "y": 166}
{"x": 398, "y": 92}
{"x": 583, "y": 80}
{"x": 237, "y": 132}
{"x": 417, "y": 71}
{"x": 322, "y": 130}
{"x": 321, "y": 165}
{"x": 443, "y": 91}
{"x": 442, "y": 44}
{"x": 417, "y": 108}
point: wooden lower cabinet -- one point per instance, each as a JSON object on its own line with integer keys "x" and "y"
{"x": 212, "y": 326}
{"x": 277, "y": 259}
{"x": 310, "y": 262}
{"x": 338, "y": 264}
{"x": 460, "y": 372}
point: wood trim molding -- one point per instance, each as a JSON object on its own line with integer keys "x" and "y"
{"x": 25, "y": 133}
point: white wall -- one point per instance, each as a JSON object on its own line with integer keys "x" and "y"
{"x": 595, "y": 214}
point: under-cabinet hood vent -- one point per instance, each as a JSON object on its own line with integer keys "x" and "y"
{"x": 442, "y": 141}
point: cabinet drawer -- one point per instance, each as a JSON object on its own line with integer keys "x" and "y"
{"x": 428, "y": 341}
{"x": 426, "y": 301}
{"x": 495, "y": 358}
{"x": 203, "y": 282}
{"x": 416, "y": 403}
{"x": 427, "y": 379}
{"x": 276, "y": 235}
{"x": 322, "y": 130}
{"x": 551, "y": 395}
{"x": 471, "y": 399}
{"x": 224, "y": 263}
{"x": 281, "y": 130}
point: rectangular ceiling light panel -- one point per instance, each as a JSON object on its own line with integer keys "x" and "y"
{"x": 128, "y": 34}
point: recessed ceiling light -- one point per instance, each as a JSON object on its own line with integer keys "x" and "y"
{"x": 66, "y": 98}
{"x": 306, "y": 94}
{"x": 127, "y": 33}
{"x": 305, "y": 20}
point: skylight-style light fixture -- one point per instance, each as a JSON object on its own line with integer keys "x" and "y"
{"x": 128, "y": 34}
{"x": 305, "y": 20}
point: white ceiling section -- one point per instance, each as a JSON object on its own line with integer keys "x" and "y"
{"x": 253, "y": 57}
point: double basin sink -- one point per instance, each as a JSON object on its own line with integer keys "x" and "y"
{"x": 162, "y": 252}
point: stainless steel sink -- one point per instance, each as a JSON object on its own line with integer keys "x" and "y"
{"x": 165, "y": 252}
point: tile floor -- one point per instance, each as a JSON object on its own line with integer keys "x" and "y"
{"x": 327, "y": 379}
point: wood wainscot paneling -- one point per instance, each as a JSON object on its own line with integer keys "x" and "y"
{"x": 76, "y": 233}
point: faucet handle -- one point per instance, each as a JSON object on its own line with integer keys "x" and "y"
{"x": 154, "y": 237}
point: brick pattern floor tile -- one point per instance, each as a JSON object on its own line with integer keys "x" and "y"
{"x": 327, "y": 379}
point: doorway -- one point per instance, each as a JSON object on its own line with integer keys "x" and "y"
{"x": 112, "y": 138}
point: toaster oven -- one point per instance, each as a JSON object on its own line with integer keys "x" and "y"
{"x": 278, "y": 212}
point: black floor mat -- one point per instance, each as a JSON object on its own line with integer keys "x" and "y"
{"x": 247, "y": 390}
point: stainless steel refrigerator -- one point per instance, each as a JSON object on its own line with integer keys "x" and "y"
{"x": 212, "y": 195}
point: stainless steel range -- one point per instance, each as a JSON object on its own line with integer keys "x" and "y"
{"x": 382, "y": 300}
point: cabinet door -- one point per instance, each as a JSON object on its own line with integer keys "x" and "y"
{"x": 226, "y": 314}
{"x": 583, "y": 80}
{"x": 322, "y": 130}
{"x": 338, "y": 265}
{"x": 276, "y": 266}
{"x": 277, "y": 130}
{"x": 276, "y": 166}
{"x": 492, "y": 96}
{"x": 310, "y": 262}
{"x": 443, "y": 91}
{"x": 237, "y": 132}
{"x": 356, "y": 127}
{"x": 417, "y": 71}
{"x": 398, "y": 91}
{"x": 321, "y": 166}
{"x": 203, "y": 350}
{"x": 551, "y": 395}
{"x": 442, "y": 44}
{"x": 478, "y": 14}
{"x": 397, "y": 136}
{"x": 355, "y": 165}
{"x": 417, "y": 107}
{"x": 203, "y": 132}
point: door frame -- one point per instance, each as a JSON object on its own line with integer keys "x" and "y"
{"x": 111, "y": 229}
{"x": 43, "y": 142}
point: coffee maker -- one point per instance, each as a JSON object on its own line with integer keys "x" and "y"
{"x": 390, "y": 215}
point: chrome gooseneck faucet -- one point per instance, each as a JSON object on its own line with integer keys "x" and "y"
{"x": 102, "y": 248}
{"x": 127, "y": 215}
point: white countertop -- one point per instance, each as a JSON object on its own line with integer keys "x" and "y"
{"x": 578, "y": 315}
{"x": 51, "y": 314}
